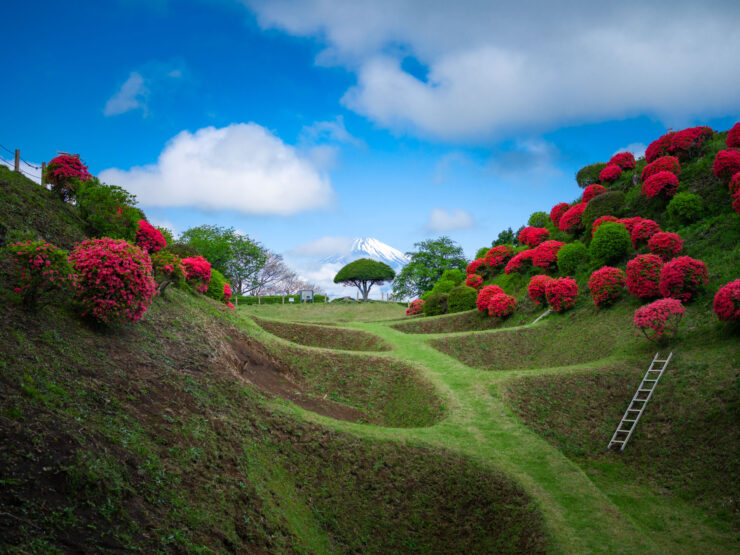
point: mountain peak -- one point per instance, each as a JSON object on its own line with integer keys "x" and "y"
{"x": 369, "y": 247}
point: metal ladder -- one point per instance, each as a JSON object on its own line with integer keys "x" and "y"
{"x": 639, "y": 402}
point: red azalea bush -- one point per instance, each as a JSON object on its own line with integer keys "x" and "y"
{"x": 733, "y": 136}
{"x": 682, "y": 278}
{"x": 533, "y": 236}
{"x": 643, "y": 276}
{"x": 40, "y": 269}
{"x": 197, "y": 272}
{"x": 570, "y": 222}
{"x": 600, "y": 220}
{"x": 501, "y": 305}
{"x": 474, "y": 281}
{"x": 726, "y": 163}
{"x": 113, "y": 279}
{"x": 606, "y": 285}
{"x": 686, "y": 143}
{"x": 149, "y": 238}
{"x": 592, "y": 190}
{"x": 415, "y": 307}
{"x": 643, "y": 230}
{"x": 484, "y": 296}
{"x": 727, "y": 301}
{"x": 659, "y": 318}
{"x": 662, "y": 182}
{"x": 519, "y": 262}
{"x": 475, "y": 265}
{"x": 497, "y": 256}
{"x": 168, "y": 270}
{"x": 536, "y": 288}
{"x": 735, "y": 183}
{"x": 663, "y": 164}
{"x": 557, "y": 212}
{"x": 546, "y": 255}
{"x": 610, "y": 173}
{"x": 629, "y": 223}
{"x": 659, "y": 147}
{"x": 665, "y": 244}
{"x": 561, "y": 293}
{"x": 625, "y": 160}
{"x": 63, "y": 171}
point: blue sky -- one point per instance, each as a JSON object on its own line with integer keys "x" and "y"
{"x": 305, "y": 122}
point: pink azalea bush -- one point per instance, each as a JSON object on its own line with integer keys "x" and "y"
{"x": 686, "y": 143}
{"x": 665, "y": 183}
{"x": 113, "y": 281}
{"x": 474, "y": 281}
{"x": 610, "y": 173}
{"x": 168, "y": 270}
{"x": 727, "y": 301}
{"x": 643, "y": 276}
{"x": 726, "y": 163}
{"x": 557, "y": 212}
{"x": 663, "y": 164}
{"x": 570, "y": 222}
{"x": 197, "y": 272}
{"x": 733, "y": 136}
{"x": 665, "y": 244}
{"x": 592, "y": 190}
{"x": 227, "y": 295}
{"x": 561, "y": 293}
{"x": 475, "y": 265}
{"x": 682, "y": 278}
{"x": 484, "y": 296}
{"x": 735, "y": 183}
{"x": 501, "y": 305}
{"x": 533, "y": 236}
{"x": 606, "y": 285}
{"x": 149, "y": 238}
{"x": 545, "y": 256}
{"x": 600, "y": 220}
{"x": 659, "y": 319}
{"x": 659, "y": 147}
{"x": 40, "y": 269}
{"x": 536, "y": 288}
{"x": 498, "y": 256}
{"x": 625, "y": 160}
{"x": 62, "y": 173}
{"x": 519, "y": 262}
{"x": 415, "y": 307}
{"x": 642, "y": 230}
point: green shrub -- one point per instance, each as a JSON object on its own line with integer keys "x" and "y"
{"x": 456, "y": 275}
{"x": 610, "y": 203}
{"x": 443, "y": 286}
{"x": 589, "y": 175}
{"x": 539, "y": 219}
{"x": 216, "y": 285}
{"x": 686, "y": 208}
{"x": 435, "y": 304}
{"x": 278, "y": 299}
{"x": 461, "y": 298}
{"x": 571, "y": 256}
{"x": 610, "y": 243}
{"x": 108, "y": 210}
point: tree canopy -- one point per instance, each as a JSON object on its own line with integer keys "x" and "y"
{"x": 427, "y": 265}
{"x": 363, "y": 274}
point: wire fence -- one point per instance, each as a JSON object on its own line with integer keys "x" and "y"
{"x": 32, "y": 171}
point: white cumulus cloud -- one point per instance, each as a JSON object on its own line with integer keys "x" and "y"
{"x": 485, "y": 69}
{"x": 441, "y": 220}
{"x": 131, "y": 96}
{"x": 324, "y": 246}
{"x": 241, "y": 167}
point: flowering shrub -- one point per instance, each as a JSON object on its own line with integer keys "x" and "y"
{"x": 227, "y": 293}
{"x": 40, "y": 269}
{"x": 557, "y": 212}
{"x": 726, "y": 163}
{"x": 475, "y": 265}
{"x": 643, "y": 276}
{"x": 610, "y": 173}
{"x": 474, "y": 281}
{"x": 149, "y": 238}
{"x": 561, "y": 293}
{"x": 519, "y": 262}
{"x": 601, "y": 220}
{"x": 501, "y": 305}
{"x": 682, "y": 278}
{"x": 63, "y": 171}
{"x": 197, "y": 272}
{"x": 570, "y": 222}
{"x": 497, "y": 256}
{"x": 592, "y": 190}
{"x": 610, "y": 243}
{"x": 415, "y": 307}
{"x": 686, "y": 143}
{"x": 114, "y": 279}
{"x": 659, "y": 147}
{"x": 736, "y": 201}
{"x": 735, "y": 183}
{"x": 533, "y": 236}
{"x": 727, "y": 301}
{"x": 546, "y": 255}
{"x": 606, "y": 285}
{"x": 663, "y": 164}
{"x": 659, "y": 318}
{"x": 536, "y": 288}
{"x": 625, "y": 160}
{"x": 629, "y": 223}
{"x": 484, "y": 296}
{"x": 665, "y": 244}
{"x": 733, "y": 136}
{"x": 643, "y": 230}
{"x": 168, "y": 270}
{"x": 662, "y": 182}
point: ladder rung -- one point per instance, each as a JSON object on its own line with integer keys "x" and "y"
{"x": 646, "y": 380}
{"x": 643, "y": 389}
{"x": 635, "y": 420}
{"x": 616, "y": 441}
{"x": 666, "y": 360}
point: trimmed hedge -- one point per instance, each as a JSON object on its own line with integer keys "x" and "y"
{"x": 435, "y": 304}
{"x": 610, "y": 203}
{"x": 610, "y": 243}
{"x": 274, "y": 299}
{"x": 589, "y": 175}
{"x": 571, "y": 256}
{"x": 461, "y": 298}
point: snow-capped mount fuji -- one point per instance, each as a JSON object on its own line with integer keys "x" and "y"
{"x": 367, "y": 247}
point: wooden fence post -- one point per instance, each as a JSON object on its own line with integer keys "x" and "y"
{"x": 259, "y": 299}
{"x": 17, "y": 160}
